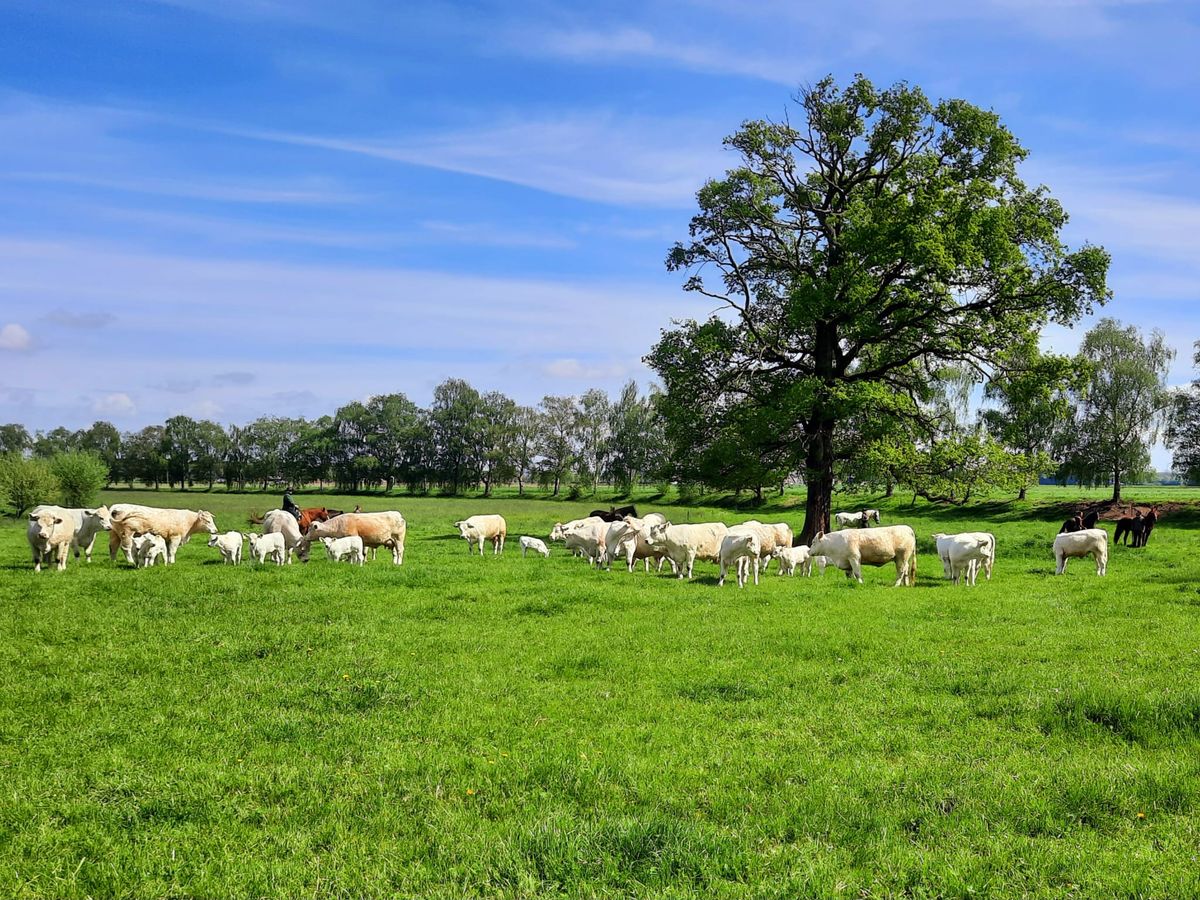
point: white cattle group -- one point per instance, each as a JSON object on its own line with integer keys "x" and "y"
{"x": 147, "y": 534}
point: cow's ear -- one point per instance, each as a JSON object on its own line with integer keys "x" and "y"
{"x": 57, "y": 520}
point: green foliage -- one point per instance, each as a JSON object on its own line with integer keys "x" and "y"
{"x": 1121, "y": 407}
{"x": 958, "y": 468}
{"x": 80, "y": 476}
{"x": 14, "y": 438}
{"x": 876, "y": 241}
{"x": 1183, "y": 431}
{"x": 24, "y": 483}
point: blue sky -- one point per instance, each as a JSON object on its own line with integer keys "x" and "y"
{"x": 228, "y": 209}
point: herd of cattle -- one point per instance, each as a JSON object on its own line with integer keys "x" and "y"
{"x": 147, "y": 534}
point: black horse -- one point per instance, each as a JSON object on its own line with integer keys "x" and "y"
{"x": 1143, "y": 527}
{"x": 1075, "y": 524}
{"x": 1128, "y": 527}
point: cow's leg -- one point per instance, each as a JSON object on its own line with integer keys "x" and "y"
{"x": 856, "y": 570}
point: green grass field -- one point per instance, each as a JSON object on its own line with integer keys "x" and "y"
{"x": 508, "y": 727}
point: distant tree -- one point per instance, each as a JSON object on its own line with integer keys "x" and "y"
{"x": 1121, "y": 406}
{"x": 1032, "y": 407}
{"x": 267, "y": 441}
{"x": 636, "y": 439}
{"x": 454, "y": 415}
{"x": 1183, "y": 431}
{"x": 393, "y": 424}
{"x": 58, "y": 440}
{"x": 593, "y": 416}
{"x": 80, "y": 475}
{"x": 557, "y": 445}
{"x": 496, "y": 425}
{"x": 880, "y": 231}
{"x": 957, "y": 468}
{"x": 14, "y": 439}
{"x": 24, "y": 483}
{"x": 103, "y": 439}
{"x": 208, "y": 458}
{"x": 143, "y": 456}
{"x": 523, "y": 448}
{"x": 180, "y": 448}
{"x": 236, "y": 458}
{"x": 312, "y": 454}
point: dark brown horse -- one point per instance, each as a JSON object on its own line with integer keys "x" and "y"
{"x": 1141, "y": 529}
{"x": 1128, "y": 527}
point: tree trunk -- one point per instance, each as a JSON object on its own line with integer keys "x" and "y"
{"x": 818, "y": 478}
{"x": 520, "y": 487}
{"x": 1021, "y": 493}
{"x": 1116, "y": 497}
{"x": 890, "y": 487}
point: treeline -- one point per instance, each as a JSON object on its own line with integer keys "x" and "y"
{"x": 464, "y": 440}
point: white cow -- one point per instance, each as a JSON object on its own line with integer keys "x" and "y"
{"x": 88, "y": 523}
{"x": 279, "y": 521}
{"x": 856, "y": 520}
{"x": 268, "y": 545}
{"x": 477, "y": 529}
{"x": 628, "y": 539}
{"x": 537, "y": 545}
{"x": 586, "y": 537}
{"x": 377, "y": 529}
{"x": 741, "y": 549}
{"x": 349, "y": 548}
{"x": 175, "y": 526}
{"x": 851, "y": 550}
{"x": 778, "y": 534}
{"x": 1091, "y": 542}
{"x": 230, "y": 545}
{"x": 963, "y": 554}
{"x": 148, "y": 548}
{"x": 50, "y": 534}
{"x": 684, "y": 544}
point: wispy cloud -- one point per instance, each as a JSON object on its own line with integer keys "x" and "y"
{"x": 114, "y": 404}
{"x": 629, "y": 44}
{"x": 602, "y": 157}
{"x": 83, "y": 321}
{"x": 214, "y": 191}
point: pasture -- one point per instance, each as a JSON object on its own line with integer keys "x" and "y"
{"x": 508, "y": 727}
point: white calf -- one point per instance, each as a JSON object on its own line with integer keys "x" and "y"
{"x": 792, "y": 558}
{"x": 148, "y": 548}
{"x": 230, "y": 545}
{"x": 349, "y": 548}
{"x": 537, "y": 545}
{"x": 264, "y": 545}
{"x": 741, "y": 548}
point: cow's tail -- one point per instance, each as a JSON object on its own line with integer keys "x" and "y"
{"x": 913, "y": 570}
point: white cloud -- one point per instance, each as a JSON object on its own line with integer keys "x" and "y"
{"x": 206, "y": 409}
{"x": 116, "y": 404}
{"x": 628, "y": 43}
{"x": 14, "y": 337}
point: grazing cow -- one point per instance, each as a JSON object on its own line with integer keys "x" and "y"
{"x": 87, "y": 524}
{"x": 684, "y": 544}
{"x": 1093, "y": 542}
{"x": 537, "y": 545}
{"x": 851, "y": 550}
{"x": 175, "y": 526}
{"x": 963, "y": 554}
{"x": 348, "y": 548}
{"x": 268, "y": 545}
{"x": 50, "y": 533}
{"x": 741, "y": 549}
{"x": 1143, "y": 527}
{"x": 230, "y": 545}
{"x": 280, "y": 521}
{"x": 477, "y": 529}
{"x": 586, "y": 537}
{"x": 856, "y": 520}
{"x": 148, "y": 548}
{"x": 377, "y": 529}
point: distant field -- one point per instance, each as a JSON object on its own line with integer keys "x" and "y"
{"x": 508, "y": 727}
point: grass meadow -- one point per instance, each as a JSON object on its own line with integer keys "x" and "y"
{"x": 508, "y": 727}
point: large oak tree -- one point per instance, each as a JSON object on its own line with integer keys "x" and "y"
{"x": 872, "y": 242}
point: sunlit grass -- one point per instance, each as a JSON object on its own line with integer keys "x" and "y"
{"x": 529, "y": 727}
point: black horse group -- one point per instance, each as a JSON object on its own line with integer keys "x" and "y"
{"x": 1137, "y": 527}
{"x": 615, "y": 513}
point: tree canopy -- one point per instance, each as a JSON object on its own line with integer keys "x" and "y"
{"x": 879, "y": 238}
